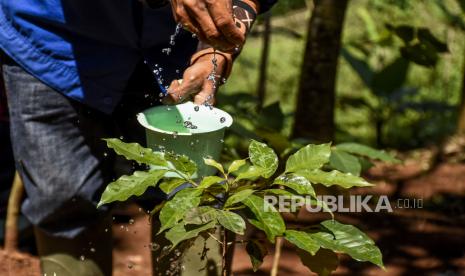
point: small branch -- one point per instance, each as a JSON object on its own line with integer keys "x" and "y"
{"x": 215, "y": 238}
{"x": 277, "y": 256}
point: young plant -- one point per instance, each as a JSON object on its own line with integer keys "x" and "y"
{"x": 238, "y": 195}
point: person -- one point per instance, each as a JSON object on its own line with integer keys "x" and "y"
{"x": 74, "y": 73}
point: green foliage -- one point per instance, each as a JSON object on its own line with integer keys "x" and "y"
{"x": 132, "y": 185}
{"x": 227, "y": 203}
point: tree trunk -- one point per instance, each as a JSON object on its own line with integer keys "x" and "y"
{"x": 314, "y": 116}
{"x": 261, "y": 90}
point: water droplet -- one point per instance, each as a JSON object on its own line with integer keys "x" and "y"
{"x": 105, "y": 154}
{"x": 177, "y": 71}
{"x": 175, "y": 134}
{"x": 82, "y": 257}
{"x": 166, "y": 51}
{"x": 121, "y": 227}
{"x": 130, "y": 265}
{"x": 154, "y": 246}
{"x": 106, "y": 229}
{"x": 161, "y": 95}
{"x": 196, "y": 108}
{"x": 131, "y": 221}
{"x": 92, "y": 249}
{"x": 222, "y": 119}
{"x": 221, "y": 141}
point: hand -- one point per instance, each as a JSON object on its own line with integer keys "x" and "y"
{"x": 211, "y": 20}
{"x": 195, "y": 82}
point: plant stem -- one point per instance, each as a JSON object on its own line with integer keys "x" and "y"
{"x": 11, "y": 225}
{"x": 277, "y": 256}
{"x": 224, "y": 252}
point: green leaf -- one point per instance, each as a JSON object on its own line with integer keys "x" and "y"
{"x": 231, "y": 221}
{"x": 323, "y": 263}
{"x": 309, "y": 157}
{"x": 170, "y": 184}
{"x": 271, "y": 117}
{"x": 257, "y": 253}
{"x": 179, "y": 233}
{"x": 420, "y": 53}
{"x": 366, "y": 151}
{"x": 425, "y": 36}
{"x": 213, "y": 163}
{"x": 175, "y": 209}
{"x": 404, "y": 32}
{"x": 181, "y": 163}
{"x": 236, "y": 165}
{"x": 209, "y": 181}
{"x": 360, "y": 67}
{"x": 302, "y": 240}
{"x": 251, "y": 173}
{"x": 297, "y": 183}
{"x": 345, "y": 180}
{"x": 238, "y": 197}
{"x": 200, "y": 215}
{"x": 130, "y": 185}
{"x": 134, "y": 151}
{"x": 349, "y": 240}
{"x": 268, "y": 217}
{"x": 264, "y": 157}
{"x": 345, "y": 162}
{"x": 279, "y": 192}
{"x": 391, "y": 77}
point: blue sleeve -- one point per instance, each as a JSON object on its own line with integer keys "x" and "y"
{"x": 265, "y": 5}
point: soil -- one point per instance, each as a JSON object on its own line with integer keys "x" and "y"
{"x": 15, "y": 263}
{"x": 414, "y": 241}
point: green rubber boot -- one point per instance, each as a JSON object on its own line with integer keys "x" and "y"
{"x": 89, "y": 254}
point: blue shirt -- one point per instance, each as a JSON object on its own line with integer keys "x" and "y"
{"x": 88, "y": 49}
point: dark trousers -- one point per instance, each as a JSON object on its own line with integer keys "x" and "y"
{"x": 59, "y": 151}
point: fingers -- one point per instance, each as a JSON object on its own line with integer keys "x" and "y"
{"x": 181, "y": 16}
{"x": 221, "y": 13}
{"x": 206, "y": 25}
{"x": 180, "y": 90}
{"x": 211, "y": 20}
{"x": 207, "y": 95}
